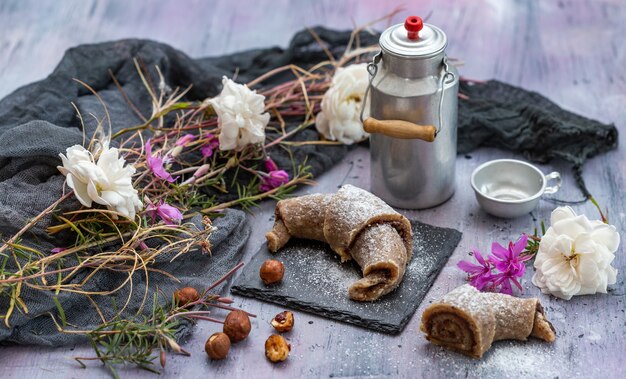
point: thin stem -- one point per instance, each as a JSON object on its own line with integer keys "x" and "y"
{"x": 186, "y": 314}
{"x": 289, "y": 134}
{"x": 226, "y": 276}
{"x": 208, "y": 319}
{"x": 229, "y": 308}
{"x": 185, "y": 170}
{"x": 605, "y": 218}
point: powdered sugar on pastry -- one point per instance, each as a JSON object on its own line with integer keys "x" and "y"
{"x": 468, "y": 321}
{"x": 357, "y": 225}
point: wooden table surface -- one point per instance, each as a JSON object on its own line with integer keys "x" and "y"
{"x": 574, "y": 52}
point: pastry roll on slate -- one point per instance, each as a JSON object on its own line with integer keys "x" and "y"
{"x": 357, "y": 225}
{"x": 468, "y": 321}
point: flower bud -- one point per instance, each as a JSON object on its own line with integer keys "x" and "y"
{"x": 185, "y": 140}
{"x": 274, "y": 179}
{"x": 162, "y": 358}
{"x": 176, "y": 151}
{"x": 202, "y": 170}
{"x": 270, "y": 165}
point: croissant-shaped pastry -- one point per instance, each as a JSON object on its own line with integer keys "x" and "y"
{"x": 357, "y": 225}
{"x": 468, "y": 321}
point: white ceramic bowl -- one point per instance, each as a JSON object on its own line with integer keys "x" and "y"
{"x": 510, "y": 188}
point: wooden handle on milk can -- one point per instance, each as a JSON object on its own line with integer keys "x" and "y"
{"x": 400, "y": 129}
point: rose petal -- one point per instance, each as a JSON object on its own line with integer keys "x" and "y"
{"x": 572, "y": 226}
{"x": 606, "y": 235}
{"x": 80, "y": 190}
{"x": 561, "y": 213}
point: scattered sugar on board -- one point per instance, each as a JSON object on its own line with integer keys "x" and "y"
{"x": 334, "y": 280}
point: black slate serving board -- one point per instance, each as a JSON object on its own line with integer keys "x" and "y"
{"x": 315, "y": 281}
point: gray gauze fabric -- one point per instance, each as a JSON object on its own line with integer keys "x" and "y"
{"x": 30, "y": 181}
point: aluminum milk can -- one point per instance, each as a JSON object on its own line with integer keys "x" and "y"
{"x": 413, "y": 117}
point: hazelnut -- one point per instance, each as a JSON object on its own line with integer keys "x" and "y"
{"x": 283, "y": 322}
{"x": 272, "y": 271}
{"x": 185, "y": 296}
{"x": 276, "y": 348}
{"x": 217, "y": 346}
{"x": 237, "y": 326}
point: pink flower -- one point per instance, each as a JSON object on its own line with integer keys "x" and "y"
{"x": 273, "y": 179}
{"x": 185, "y": 140}
{"x": 509, "y": 263}
{"x": 212, "y": 144}
{"x": 503, "y": 267}
{"x": 155, "y": 164}
{"x": 57, "y": 250}
{"x": 479, "y": 275}
{"x": 270, "y": 165}
{"x": 169, "y": 214}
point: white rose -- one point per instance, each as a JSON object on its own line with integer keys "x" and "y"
{"x": 575, "y": 255}
{"x": 339, "y": 118}
{"x": 107, "y": 182}
{"x": 241, "y": 116}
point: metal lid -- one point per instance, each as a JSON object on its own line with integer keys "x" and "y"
{"x": 399, "y": 39}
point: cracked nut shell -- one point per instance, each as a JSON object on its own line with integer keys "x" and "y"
{"x": 217, "y": 346}
{"x": 283, "y": 322}
{"x": 276, "y": 348}
{"x": 272, "y": 271}
{"x": 237, "y": 326}
{"x": 185, "y": 296}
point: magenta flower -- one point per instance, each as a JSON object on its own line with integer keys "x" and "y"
{"x": 509, "y": 263}
{"x": 270, "y": 165}
{"x": 155, "y": 164}
{"x": 169, "y": 214}
{"x": 212, "y": 144}
{"x": 57, "y": 250}
{"x": 479, "y": 275}
{"x": 273, "y": 179}
{"x": 501, "y": 268}
{"x": 185, "y": 140}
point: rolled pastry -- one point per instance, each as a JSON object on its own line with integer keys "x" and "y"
{"x": 357, "y": 225}
{"x": 468, "y": 321}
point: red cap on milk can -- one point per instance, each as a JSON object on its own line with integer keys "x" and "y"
{"x": 413, "y": 25}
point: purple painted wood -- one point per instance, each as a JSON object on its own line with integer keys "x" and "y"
{"x": 571, "y": 51}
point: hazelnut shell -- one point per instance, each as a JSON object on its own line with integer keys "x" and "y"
{"x": 217, "y": 346}
{"x": 272, "y": 271}
{"x": 185, "y": 296}
{"x": 237, "y": 326}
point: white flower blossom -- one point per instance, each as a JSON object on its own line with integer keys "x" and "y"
{"x": 575, "y": 255}
{"x": 339, "y": 118}
{"x": 107, "y": 182}
{"x": 241, "y": 116}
